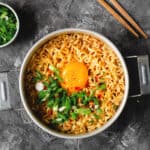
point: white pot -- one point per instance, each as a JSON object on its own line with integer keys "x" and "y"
{"x": 22, "y": 90}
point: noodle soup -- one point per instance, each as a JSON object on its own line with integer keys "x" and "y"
{"x": 74, "y": 83}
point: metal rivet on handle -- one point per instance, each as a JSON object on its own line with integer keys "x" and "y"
{"x": 3, "y": 91}
{"x": 144, "y": 76}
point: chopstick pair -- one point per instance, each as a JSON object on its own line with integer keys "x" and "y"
{"x": 120, "y": 19}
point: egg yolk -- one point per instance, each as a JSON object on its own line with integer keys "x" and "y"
{"x": 75, "y": 76}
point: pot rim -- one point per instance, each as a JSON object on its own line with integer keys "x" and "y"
{"x": 39, "y": 44}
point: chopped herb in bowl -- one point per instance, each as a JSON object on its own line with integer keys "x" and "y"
{"x": 9, "y": 25}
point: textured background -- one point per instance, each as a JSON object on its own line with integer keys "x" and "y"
{"x": 39, "y": 17}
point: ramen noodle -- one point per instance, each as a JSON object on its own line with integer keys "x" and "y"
{"x": 93, "y": 62}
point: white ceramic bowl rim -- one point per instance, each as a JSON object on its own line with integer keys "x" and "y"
{"x": 21, "y": 87}
{"x": 18, "y": 24}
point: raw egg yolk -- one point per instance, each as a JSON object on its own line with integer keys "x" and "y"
{"x": 75, "y": 76}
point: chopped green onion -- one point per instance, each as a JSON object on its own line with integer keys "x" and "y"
{"x": 96, "y": 101}
{"x": 54, "y": 69}
{"x": 68, "y": 103}
{"x": 96, "y": 106}
{"x": 43, "y": 95}
{"x": 115, "y": 107}
{"x": 55, "y": 107}
{"x": 62, "y": 108}
{"x": 73, "y": 100}
{"x": 62, "y": 116}
{"x": 74, "y": 115}
{"x": 74, "y": 107}
{"x": 57, "y": 120}
{"x": 56, "y": 72}
{"x": 96, "y": 116}
{"x": 99, "y": 111}
{"x": 83, "y": 111}
{"x": 46, "y": 84}
{"x": 102, "y": 87}
{"x": 50, "y": 103}
{"x": 38, "y": 76}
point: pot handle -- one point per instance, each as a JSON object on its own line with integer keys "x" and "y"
{"x": 139, "y": 75}
{"x": 7, "y": 98}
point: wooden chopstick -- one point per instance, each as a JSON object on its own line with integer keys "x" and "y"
{"x": 118, "y": 17}
{"x": 124, "y": 13}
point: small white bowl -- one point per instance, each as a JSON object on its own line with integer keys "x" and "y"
{"x": 18, "y": 24}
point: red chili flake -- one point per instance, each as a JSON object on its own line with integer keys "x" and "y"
{"x": 87, "y": 84}
{"x": 77, "y": 88}
{"x": 91, "y": 103}
{"x": 49, "y": 112}
{"x": 100, "y": 95}
{"x": 45, "y": 87}
{"x": 49, "y": 71}
{"x": 97, "y": 78}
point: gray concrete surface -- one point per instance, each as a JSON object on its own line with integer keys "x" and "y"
{"x": 39, "y": 17}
